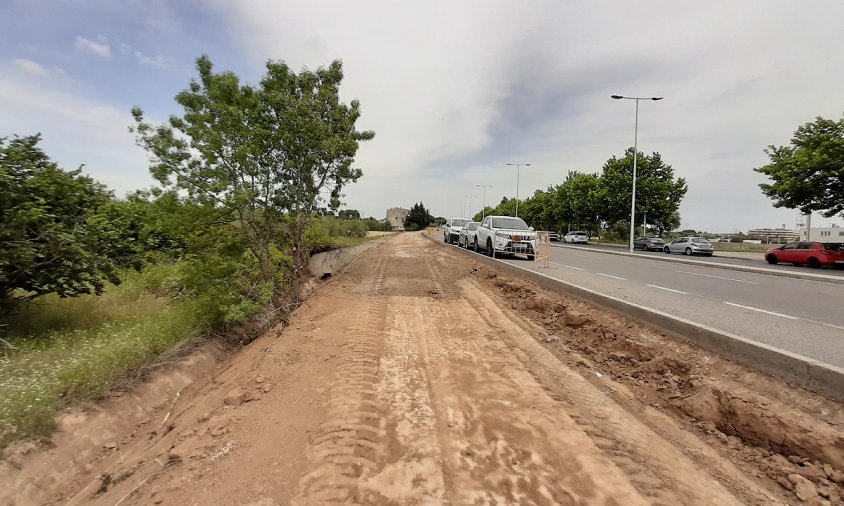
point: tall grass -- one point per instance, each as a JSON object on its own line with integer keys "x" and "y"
{"x": 69, "y": 350}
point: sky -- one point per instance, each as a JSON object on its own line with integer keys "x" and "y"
{"x": 453, "y": 90}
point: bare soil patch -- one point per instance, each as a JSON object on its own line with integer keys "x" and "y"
{"x": 419, "y": 376}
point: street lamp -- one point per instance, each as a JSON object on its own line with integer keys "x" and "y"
{"x": 518, "y": 167}
{"x": 635, "y": 156}
{"x": 470, "y": 197}
{"x": 484, "y": 186}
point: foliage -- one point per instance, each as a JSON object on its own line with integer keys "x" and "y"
{"x": 658, "y": 194}
{"x": 257, "y": 152}
{"x": 348, "y": 214}
{"x": 377, "y": 225}
{"x": 809, "y": 174}
{"x": 50, "y": 239}
{"x": 418, "y": 217}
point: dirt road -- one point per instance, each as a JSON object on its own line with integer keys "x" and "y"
{"x": 420, "y": 377}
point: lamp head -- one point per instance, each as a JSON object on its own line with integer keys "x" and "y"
{"x": 616, "y": 96}
{"x": 657, "y": 98}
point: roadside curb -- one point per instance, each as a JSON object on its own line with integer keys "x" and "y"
{"x": 742, "y": 268}
{"x": 798, "y": 369}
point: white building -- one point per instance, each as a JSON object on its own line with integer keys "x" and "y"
{"x": 823, "y": 234}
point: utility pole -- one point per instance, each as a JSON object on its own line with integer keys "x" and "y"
{"x": 518, "y": 167}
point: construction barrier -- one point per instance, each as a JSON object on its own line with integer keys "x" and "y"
{"x": 506, "y": 243}
{"x": 542, "y": 246}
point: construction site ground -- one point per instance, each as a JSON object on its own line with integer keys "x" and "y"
{"x": 419, "y": 376}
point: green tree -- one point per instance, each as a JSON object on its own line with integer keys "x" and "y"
{"x": 658, "y": 194}
{"x": 259, "y": 152}
{"x": 49, "y": 242}
{"x": 418, "y": 217}
{"x": 809, "y": 174}
{"x": 348, "y": 214}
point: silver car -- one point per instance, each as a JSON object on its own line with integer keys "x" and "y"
{"x": 468, "y": 235}
{"x": 690, "y": 246}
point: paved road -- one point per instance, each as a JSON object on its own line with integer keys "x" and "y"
{"x": 797, "y": 315}
{"x": 754, "y": 260}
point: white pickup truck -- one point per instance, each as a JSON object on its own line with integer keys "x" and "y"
{"x": 506, "y": 235}
{"x": 452, "y": 228}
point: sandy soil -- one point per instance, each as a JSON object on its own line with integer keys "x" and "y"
{"x": 419, "y": 376}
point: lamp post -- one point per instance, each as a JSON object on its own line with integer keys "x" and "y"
{"x": 518, "y": 167}
{"x": 635, "y": 156}
{"x": 470, "y": 197}
{"x": 484, "y": 186}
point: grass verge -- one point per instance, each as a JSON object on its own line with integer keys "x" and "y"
{"x": 71, "y": 350}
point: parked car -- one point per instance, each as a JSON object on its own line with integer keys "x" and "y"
{"x": 451, "y": 229}
{"x": 647, "y": 243}
{"x": 468, "y": 235}
{"x": 505, "y": 234}
{"x": 813, "y": 254}
{"x": 576, "y": 236}
{"x": 553, "y": 236}
{"x": 690, "y": 246}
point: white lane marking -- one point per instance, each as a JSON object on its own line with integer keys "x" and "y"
{"x": 571, "y": 267}
{"x": 668, "y": 289}
{"x": 762, "y": 311}
{"x": 610, "y": 276}
{"x": 719, "y": 277}
{"x": 589, "y": 256}
{"x": 825, "y": 324}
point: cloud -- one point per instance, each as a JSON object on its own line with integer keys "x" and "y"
{"x": 155, "y": 61}
{"x": 30, "y": 67}
{"x": 455, "y": 90}
{"x": 101, "y": 48}
{"x": 74, "y": 130}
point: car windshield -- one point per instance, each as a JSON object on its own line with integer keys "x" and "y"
{"x": 511, "y": 223}
{"x": 458, "y": 223}
{"x": 656, "y": 239}
{"x": 472, "y": 226}
{"x": 833, "y": 246}
{"x": 577, "y": 233}
{"x": 700, "y": 240}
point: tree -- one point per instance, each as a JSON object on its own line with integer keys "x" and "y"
{"x": 809, "y": 174}
{"x": 48, "y": 243}
{"x": 348, "y": 214}
{"x": 418, "y": 217}
{"x": 658, "y": 194}
{"x": 259, "y": 152}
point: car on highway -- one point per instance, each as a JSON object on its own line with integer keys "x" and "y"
{"x": 468, "y": 235}
{"x": 648, "y": 243}
{"x": 690, "y": 246}
{"x": 576, "y": 237}
{"x": 505, "y": 235}
{"x": 553, "y": 236}
{"x": 451, "y": 229}
{"x": 813, "y": 254}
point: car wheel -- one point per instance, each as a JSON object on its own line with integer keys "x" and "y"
{"x": 814, "y": 263}
{"x": 666, "y": 250}
{"x": 688, "y": 251}
{"x": 771, "y": 259}
{"x": 489, "y": 250}
{"x": 476, "y": 245}
{"x": 530, "y": 257}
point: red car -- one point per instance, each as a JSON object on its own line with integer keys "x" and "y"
{"x": 813, "y": 254}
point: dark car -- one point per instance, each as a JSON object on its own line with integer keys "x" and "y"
{"x": 647, "y": 243}
{"x": 813, "y": 254}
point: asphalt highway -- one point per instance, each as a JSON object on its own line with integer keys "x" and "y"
{"x": 755, "y": 260}
{"x": 797, "y": 315}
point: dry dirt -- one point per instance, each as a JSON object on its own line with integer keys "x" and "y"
{"x": 420, "y": 376}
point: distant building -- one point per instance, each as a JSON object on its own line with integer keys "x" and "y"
{"x": 396, "y": 217}
{"x": 774, "y": 235}
{"x": 823, "y": 234}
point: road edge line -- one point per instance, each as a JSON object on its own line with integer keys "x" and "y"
{"x": 733, "y": 267}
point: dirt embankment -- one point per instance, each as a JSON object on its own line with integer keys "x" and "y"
{"x": 421, "y": 377}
